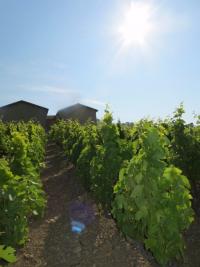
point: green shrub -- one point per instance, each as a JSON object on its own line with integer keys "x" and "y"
{"x": 106, "y": 163}
{"x": 90, "y": 140}
{"x": 21, "y": 193}
{"x": 152, "y": 201}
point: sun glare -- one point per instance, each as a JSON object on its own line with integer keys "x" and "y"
{"x": 137, "y": 25}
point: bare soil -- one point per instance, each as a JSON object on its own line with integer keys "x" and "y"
{"x": 52, "y": 242}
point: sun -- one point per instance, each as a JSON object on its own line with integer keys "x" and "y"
{"x": 137, "y": 24}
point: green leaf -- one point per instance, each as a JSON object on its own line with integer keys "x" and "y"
{"x": 35, "y": 212}
{"x": 138, "y": 177}
{"x": 10, "y": 197}
{"x": 7, "y": 254}
{"x": 142, "y": 213}
{"x": 137, "y": 191}
{"x": 120, "y": 201}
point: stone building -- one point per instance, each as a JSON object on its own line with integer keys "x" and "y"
{"x": 23, "y": 111}
{"x": 78, "y": 112}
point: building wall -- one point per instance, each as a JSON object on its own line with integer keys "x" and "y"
{"x": 23, "y": 112}
{"x": 50, "y": 121}
{"x": 82, "y": 114}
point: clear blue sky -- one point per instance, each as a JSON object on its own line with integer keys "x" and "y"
{"x": 57, "y": 53}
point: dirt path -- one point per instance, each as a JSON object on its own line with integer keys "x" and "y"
{"x": 53, "y": 243}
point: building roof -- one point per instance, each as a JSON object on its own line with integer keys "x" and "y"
{"x": 24, "y": 102}
{"x": 70, "y": 109}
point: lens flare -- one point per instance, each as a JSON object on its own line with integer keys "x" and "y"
{"x": 81, "y": 215}
{"x": 77, "y": 227}
{"x": 137, "y": 24}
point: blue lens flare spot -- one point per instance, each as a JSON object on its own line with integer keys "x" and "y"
{"x": 77, "y": 227}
